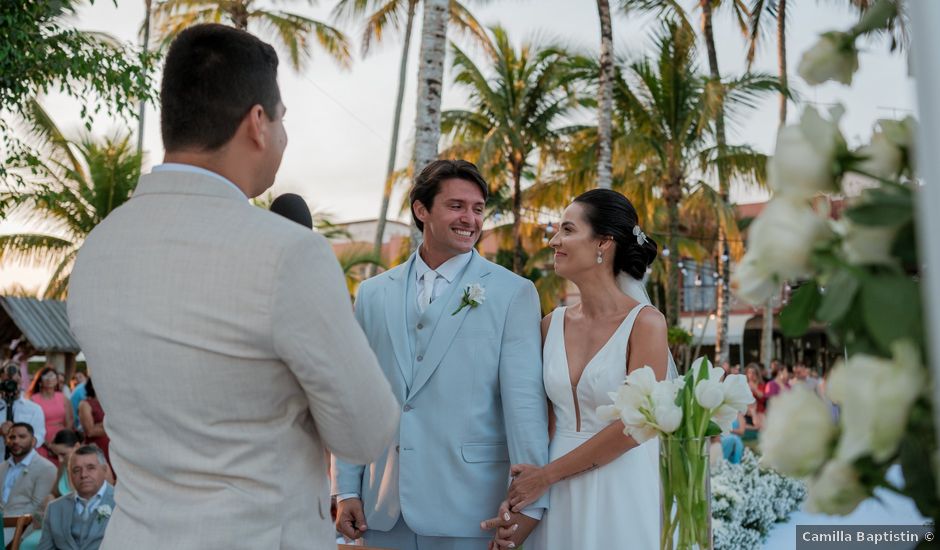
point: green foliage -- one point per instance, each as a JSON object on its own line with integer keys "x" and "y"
{"x": 678, "y": 336}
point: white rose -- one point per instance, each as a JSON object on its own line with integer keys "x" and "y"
{"x": 753, "y": 283}
{"x": 798, "y": 433}
{"x": 709, "y": 394}
{"x": 836, "y": 490}
{"x": 782, "y": 238}
{"x": 875, "y": 396}
{"x": 833, "y": 57}
{"x": 737, "y": 392}
{"x": 866, "y": 244}
{"x": 882, "y": 158}
{"x": 804, "y": 161}
{"x": 644, "y": 379}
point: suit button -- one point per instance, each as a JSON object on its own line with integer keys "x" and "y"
{"x": 420, "y": 358}
{"x": 408, "y": 408}
{"x": 420, "y": 326}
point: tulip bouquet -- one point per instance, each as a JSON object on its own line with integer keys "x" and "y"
{"x": 858, "y": 275}
{"x": 683, "y": 413}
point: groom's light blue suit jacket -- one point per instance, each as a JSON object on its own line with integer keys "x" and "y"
{"x": 472, "y": 398}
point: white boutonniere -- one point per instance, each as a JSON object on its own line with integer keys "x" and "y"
{"x": 473, "y": 296}
{"x": 103, "y": 512}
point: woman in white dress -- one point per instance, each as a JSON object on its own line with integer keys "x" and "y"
{"x": 604, "y": 487}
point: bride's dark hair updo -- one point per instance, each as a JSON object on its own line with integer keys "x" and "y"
{"x": 610, "y": 214}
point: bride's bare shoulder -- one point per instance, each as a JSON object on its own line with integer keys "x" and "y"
{"x": 649, "y": 322}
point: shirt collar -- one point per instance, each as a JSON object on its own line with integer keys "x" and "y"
{"x": 449, "y": 270}
{"x": 180, "y": 167}
{"x": 99, "y": 495}
{"x": 27, "y": 460}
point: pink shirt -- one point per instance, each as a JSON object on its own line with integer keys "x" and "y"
{"x": 54, "y": 410}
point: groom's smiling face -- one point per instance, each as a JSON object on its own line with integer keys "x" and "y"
{"x": 452, "y": 225}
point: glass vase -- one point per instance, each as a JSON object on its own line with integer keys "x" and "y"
{"x": 685, "y": 494}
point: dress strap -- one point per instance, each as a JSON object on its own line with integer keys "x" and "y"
{"x": 627, "y": 326}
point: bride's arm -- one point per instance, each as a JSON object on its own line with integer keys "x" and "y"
{"x": 648, "y": 346}
{"x": 546, "y": 322}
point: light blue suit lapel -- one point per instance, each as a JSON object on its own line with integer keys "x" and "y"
{"x": 395, "y": 315}
{"x": 447, "y": 324}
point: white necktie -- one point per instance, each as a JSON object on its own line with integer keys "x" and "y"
{"x": 427, "y": 290}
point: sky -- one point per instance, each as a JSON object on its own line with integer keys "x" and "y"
{"x": 339, "y": 121}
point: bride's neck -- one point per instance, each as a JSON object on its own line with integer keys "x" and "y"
{"x": 600, "y": 297}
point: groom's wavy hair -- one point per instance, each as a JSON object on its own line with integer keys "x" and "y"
{"x": 610, "y": 214}
{"x": 428, "y": 182}
{"x": 213, "y": 76}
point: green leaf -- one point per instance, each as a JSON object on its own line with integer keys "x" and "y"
{"x": 796, "y": 316}
{"x": 880, "y": 214}
{"x": 891, "y": 308}
{"x": 713, "y": 429}
{"x": 905, "y": 246}
{"x": 840, "y": 291}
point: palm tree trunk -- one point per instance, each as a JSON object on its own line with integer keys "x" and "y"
{"x": 605, "y": 98}
{"x": 673, "y": 196}
{"x": 767, "y": 331}
{"x": 723, "y": 299}
{"x": 396, "y": 125}
{"x": 143, "y": 103}
{"x": 517, "y": 253}
{"x": 430, "y": 85}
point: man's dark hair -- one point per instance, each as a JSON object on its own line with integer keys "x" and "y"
{"x": 214, "y": 75}
{"x": 67, "y": 437}
{"x": 88, "y": 450}
{"x": 428, "y": 182}
{"x": 29, "y": 427}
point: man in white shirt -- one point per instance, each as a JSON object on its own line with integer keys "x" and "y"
{"x": 24, "y": 410}
{"x": 77, "y": 521}
{"x": 27, "y": 477}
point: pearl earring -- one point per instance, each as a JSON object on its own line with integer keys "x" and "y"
{"x": 600, "y": 257}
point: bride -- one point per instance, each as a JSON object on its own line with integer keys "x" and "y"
{"x": 604, "y": 486}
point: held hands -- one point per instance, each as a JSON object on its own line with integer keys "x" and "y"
{"x": 511, "y": 528}
{"x": 350, "y": 519}
{"x": 528, "y": 484}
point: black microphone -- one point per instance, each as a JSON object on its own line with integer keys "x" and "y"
{"x": 294, "y": 208}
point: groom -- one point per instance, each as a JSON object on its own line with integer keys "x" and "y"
{"x": 466, "y": 368}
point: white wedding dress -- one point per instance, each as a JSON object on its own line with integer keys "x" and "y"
{"x": 617, "y": 505}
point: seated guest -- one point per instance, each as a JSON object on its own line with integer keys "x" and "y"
{"x": 64, "y": 444}
{"x": 77, "y": 521}
{"x": 27, "y": 477}
{"x": 732, "y": 446}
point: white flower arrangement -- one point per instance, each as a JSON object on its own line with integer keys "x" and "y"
{"x": 103, "y": 512}
{"x": 747, "y": 500}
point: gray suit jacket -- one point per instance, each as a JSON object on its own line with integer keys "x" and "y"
{"x": 225, "y": 353}
{"x": 57, "y": 526}
{"x": 30, "y": 490}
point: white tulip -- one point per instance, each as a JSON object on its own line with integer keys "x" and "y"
{"x": 797, "y": 435}
{"x": 836, "y": 490}
{"x": 725, "y": 417}
{"x": 628, "y": 404}
{"x": 752, "y": 283}
{"x": 664, "y": 393}
{"x": 737, "y": 392}
{"x": 641, "y": 434}
{"x": 866, "y": 244}
{"x": 668, "y": 417}
{"x": 805, "y": 158}
{"x": 709, "y": 394}
{"x": 643, "y": 379}
{"x": 782, "y": 238}
{"x": 875, "y": 396}
{"x": 833, "y": 57}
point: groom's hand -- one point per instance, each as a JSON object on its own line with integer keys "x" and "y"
{"x": 511, "y": 528}
{"x": 350, "y": 519}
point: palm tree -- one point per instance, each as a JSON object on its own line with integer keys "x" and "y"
{"x": 353, "y": 261}
{"x": 514, "y": 113}
{"x": 430, "y": 87}
{"x": 77, "y": 184}
{"x": 381, "y": 16}
{"x": 291, "y": 31}
{"x": 671, "y": 109}
{"x": 605, "y": 98}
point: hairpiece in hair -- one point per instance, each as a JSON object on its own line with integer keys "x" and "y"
{"x": 639, "y": 234}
